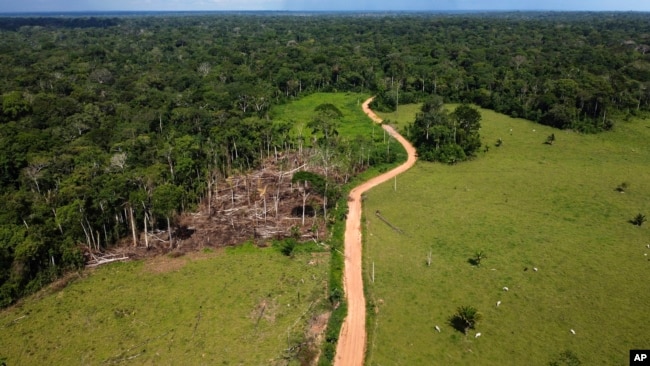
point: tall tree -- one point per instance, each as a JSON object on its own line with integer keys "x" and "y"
{"x": 166, "y": 200}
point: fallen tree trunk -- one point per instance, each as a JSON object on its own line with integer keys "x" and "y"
{"x": 388, "y": 223}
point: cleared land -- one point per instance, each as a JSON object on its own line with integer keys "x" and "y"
{"x": 352, "y": 341}
{"x": 243, "y": 306}
{"x": 526, "y": 205}
{"x": 353, "y": 123}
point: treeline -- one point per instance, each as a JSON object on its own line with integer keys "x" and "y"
{"x": 14, "y": 23}
{"x": 570, "y": 71}
{"x": 106, "y": 127}
{"x": 445, "y": 137}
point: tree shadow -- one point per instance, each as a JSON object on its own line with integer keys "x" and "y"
{"x": 473, "y": 262}
{"x": 458, "y": 323}
{"x": 638, "y": 220}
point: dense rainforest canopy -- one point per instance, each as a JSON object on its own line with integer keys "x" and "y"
{"x": 105, "y": 122}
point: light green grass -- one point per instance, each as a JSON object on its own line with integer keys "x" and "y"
{"x": 353, "y": 123}
{"x": 205, "y": 313}
{"x": 402, "y": 117}
{"x": 525, "y": 204}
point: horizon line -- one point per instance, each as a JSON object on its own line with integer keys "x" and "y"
{"x": 328, "y": 11}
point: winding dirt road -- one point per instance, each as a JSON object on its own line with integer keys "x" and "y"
{"x": 351, "y": 347}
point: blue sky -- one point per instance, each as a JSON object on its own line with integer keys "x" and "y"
{"x": 306, "y": 5}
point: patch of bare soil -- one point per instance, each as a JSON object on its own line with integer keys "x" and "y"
{"x": 265, "y": 310}
{"x": 316, "y": 334}
{"x": 351, "y": 346}
{"x": 171, "y": 263}
{"x": 164, "y": 264}
{"x": 261, "y": 206}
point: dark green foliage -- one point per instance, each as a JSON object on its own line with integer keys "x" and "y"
{"x": 467, "y": 124}
{"x": 317, "y": 183}
{"x": 638, "y": 220}
{"x": 566, "y": 358}
{"x": 465, "y": 318}
{"x": 448, "y": 138}
{"x": 291, "y": 246}
{"x": 335, "y": 285}
{"x": 477, "y": 258}
{"x": 550, "y": 139}
{"x": 329, "y": 109}
{"x": 287, "y": 246}
{"x": 166, "y": 199}
{"x": 92, "y": 122}
{"x": 14, "y": 105}
{"x": 14, "y": 23}
{"x": 622, "y": 187}
{"x": 325, "y": 124}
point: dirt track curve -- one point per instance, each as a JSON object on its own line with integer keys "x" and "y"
{"x": 351, "y": 347}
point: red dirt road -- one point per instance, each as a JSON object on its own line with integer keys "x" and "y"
{"x": 351, "y": 347}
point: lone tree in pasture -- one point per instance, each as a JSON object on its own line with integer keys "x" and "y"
{"x": 550, "y": 139}
{"x": 477, "y": 258}
{"x": 638, "y": 220}
{"x": 622, "y": 187}
{"x": 465, "y": 318}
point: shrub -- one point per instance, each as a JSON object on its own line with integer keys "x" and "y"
{"x": 287, "y": 246}
{"x": 465, "y": 318}
{"x": 566, "y": 358}
{"x": 478, "y": 257}
{"x": 550, "y": 139}
{"x": 638, "y": 220}
{"x": 622, "y": 187}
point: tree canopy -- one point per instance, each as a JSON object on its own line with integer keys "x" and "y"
{"x": 446, "y": 137}
{"x": 105, "y": 122}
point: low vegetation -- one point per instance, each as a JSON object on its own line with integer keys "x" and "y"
{"x": 112, "y": 126}
{"x": 622, "y": 187}
{"x": 465, "y": 318}
{"x": 239, "y": 306}
{"x": 639, "y": 219}
{"x": 285, "y": 260}
{"x": 557, "y": 239}
{"x": 477, "y": 258}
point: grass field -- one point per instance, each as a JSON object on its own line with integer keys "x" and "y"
{"x": 526, "y": 204}
{"x": 354, "y": 121}
{"x": 235, "y": 307}
{"x": 242, "y": 306}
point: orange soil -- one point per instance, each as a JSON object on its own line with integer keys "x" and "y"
{"x": 351, "y": 346}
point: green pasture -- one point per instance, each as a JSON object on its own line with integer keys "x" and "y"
{"x": 353, "y": 123}
{"x": 526, "y": 205}
{"x": 403, "y": 116}
{"x": 205, "y": 310}
{"x": 238, "y": 307}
